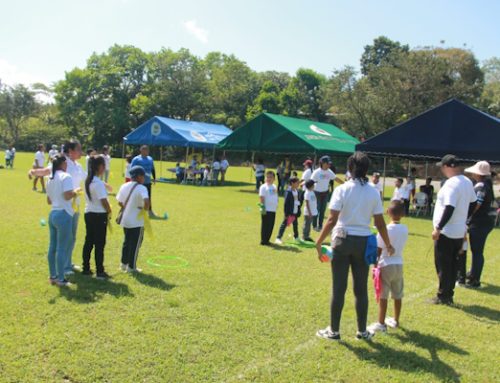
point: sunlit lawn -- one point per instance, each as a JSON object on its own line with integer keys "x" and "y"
{"x": 236, "y": 312}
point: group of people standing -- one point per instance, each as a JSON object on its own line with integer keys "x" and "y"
{"x": 63, "y": 194}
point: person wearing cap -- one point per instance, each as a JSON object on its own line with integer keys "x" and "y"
{"x": 146, "y": 162}
{"x": 455, "y": 200}
{"x": 482, "y": 219}
{"x": 375, "y": 182}
{"x": 322, "y": 176}
{"x": 133, "y": 197}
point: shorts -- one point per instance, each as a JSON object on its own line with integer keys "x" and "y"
{"x": 392, "y": 281}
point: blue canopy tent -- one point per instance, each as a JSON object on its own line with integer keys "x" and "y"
{"x": 163, "y": 131}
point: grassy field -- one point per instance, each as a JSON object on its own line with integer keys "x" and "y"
{"x": 237, "y": 313}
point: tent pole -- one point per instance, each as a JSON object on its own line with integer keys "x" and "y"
{"x": 251, "y": 165}
{"x": 186, "y": 166}
{"x": 123, "y": 156}
{"x": 409, "y": 166}
{"x": 213, "y": 155}
{"x": 161, "y": 161}
{"x": 383, "y": 185}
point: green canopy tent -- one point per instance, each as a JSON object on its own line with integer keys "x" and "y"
{"x": 273, "y": 133}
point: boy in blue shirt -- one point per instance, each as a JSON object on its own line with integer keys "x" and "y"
{"x": 146, "y": 162}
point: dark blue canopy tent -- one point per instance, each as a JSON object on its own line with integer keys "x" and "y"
{"x": 163, "y": 131}
{"x": 450, "y": 128}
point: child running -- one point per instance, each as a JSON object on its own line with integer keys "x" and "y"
{"x": 268, "y": 195}
{"x": 310, "y": 210}
{"x": 292, "y": 211}
{"x": 391, "y": 268}
{"x": 97, "y": 213}
{"x": 132, "y": 198}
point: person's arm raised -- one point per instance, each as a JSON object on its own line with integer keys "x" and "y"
{"x": 382, "y": 230}
{"x": 327, "y": 228}
{"x": 41, "y": 172}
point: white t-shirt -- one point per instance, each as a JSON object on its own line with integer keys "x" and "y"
{"x": 56, "y": 188}
{"x": 127, "y": 171}
{"x": 206, "y": 174}
{"x": 97, "y": 192}
{"x": 260, "y": 169}
{"x": 406, "y": 191}
{"x": 8, "y": 154}
{"x": 77, "y": 174}
{"x": 313, "y": 203}
{"x": 130, "y": 218}
{"x": 322, "y": 178}
{"x": 397, "y": 194}
{"x": 357, "y": 204}
{"x": 53, "y": 153}
{"x": 398, "y": 234}
{"x": 39, "y": 159}
{"x": 107, "y": 161}
{"x": 459, "y": 193}
{"x": 306, "y": 176}
{"x": 378, "y": 186}
{"x": 224, "y": 164}
{"x": 270, "y": 194}
{"x": 216, "y": 165}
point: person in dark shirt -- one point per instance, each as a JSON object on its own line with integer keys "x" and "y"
{"x": 428, "y": 189}
{"x": 481, "y": 221}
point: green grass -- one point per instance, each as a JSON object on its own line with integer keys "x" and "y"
{"x": 237, "y": 313}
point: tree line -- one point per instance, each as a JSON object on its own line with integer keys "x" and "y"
{"x": 118, "y": 90}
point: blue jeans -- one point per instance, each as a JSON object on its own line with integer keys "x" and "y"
{"x": 60, "y": 239}
{"x": 478, "y": 237}
{"x": 72, "y": 240}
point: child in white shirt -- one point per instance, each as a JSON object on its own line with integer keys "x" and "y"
{"x": 310, "y": 210}
{"x": 132, "y": 198}
{"x": 107, "y": 162}
{"x": 391, "y": 268}
{"x": 268, "y": 197}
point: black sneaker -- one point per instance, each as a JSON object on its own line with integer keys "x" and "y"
{"x": 365, "y": 335}
{"x": 87, "y": 272}
{"x": 439, "y": 301}
{"x": 308, "y": 239}
{"x": 473, "y": 284}
{"x": 103, "y": 276}
{"x": 328, "y": 334}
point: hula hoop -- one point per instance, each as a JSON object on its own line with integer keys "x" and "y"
{"x": 180, "y": 264}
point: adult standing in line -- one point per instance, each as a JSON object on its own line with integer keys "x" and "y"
{"x": 322, "y": 176}
{"x": 39, "y": 163}
{"x": 59, "y": 195}
{"x": 72, "y": 152}
{"x": 224, "y": 165}
{"x": 454, "y": 202}
{"x": 375, "y": 182}
{"x": 146, "y": 162}
{"x": 352, "y": 206}
{"x": 482, "y": 220}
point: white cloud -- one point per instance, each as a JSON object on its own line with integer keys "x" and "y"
{"x": 198, "y": 32}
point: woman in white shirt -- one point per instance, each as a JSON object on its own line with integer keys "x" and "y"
{"x": 60, "y": 192}
{"x": 97, "y": 213}
{"x": 351, "y": 208}
{"x": 39, "y": 163}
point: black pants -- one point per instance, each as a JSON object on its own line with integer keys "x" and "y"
{"x": 446, "y": 253}
{"x": 349, "y": 253}
{"x": 283, "y": 228}
{"x": 258, "y": 181}
{"x": 266, "y": 229}
{"x": 148, "y": 186}
{"x": 131, "y": 245}
{"x": 406, "y": 202}
{"x": 478, "y": 236}
{"x": 96, "y": 226}
{"x": 461, "y": 266}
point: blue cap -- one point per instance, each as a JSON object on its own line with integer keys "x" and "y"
{"x": 136, "y": 171}
{"x": 325, "y": 160}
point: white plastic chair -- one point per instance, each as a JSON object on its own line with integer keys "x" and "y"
{"x": 420, "y": 201}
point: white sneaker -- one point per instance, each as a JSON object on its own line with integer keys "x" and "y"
{"x": 70, "y": 272}
{"x": 377, "y": 327}
{"x": 76, "y": 268}
{"x": 278, "y": 241}
{"x": 123, "y": 267}
{"x": 327, "y": 333}
{"x": 136, "y": 270}
{"x": 391, "y": 322}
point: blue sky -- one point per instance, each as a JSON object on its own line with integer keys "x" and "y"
{"x": 40, "y": 40}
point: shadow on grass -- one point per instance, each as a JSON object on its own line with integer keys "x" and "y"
{"x": 480, "y": 312}
{"x": 88, "y": 290}
{"x": 249, "y": 191}
{"x": 152, "y": 281}
{"x": 409, "y": 361}
{"x": 292, "y": 249}
{"x": 428, "y": 236}
{"x": 488, "y": 288}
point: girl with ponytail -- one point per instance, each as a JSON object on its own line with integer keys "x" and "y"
{"x": 97, "y": 214}
{"x": 60, "y": 192}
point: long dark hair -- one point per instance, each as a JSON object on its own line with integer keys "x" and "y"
{"x": 358, "y": 165}
{"x": 93, "y": 167}
{"x": 56, "y": 164}
{"x": 70, "y": 145}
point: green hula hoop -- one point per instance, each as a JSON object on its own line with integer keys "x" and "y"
{"x": 181, "y": 262}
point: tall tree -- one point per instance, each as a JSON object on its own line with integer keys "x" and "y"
{"x": 17, "y": 104}
{"x": 381, "y": 52}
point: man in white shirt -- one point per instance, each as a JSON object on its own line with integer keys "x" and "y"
{"x": 224, "y": 165}
{"x": 375, "y": 182}
{"x": 455, "y": 200}
{"x": 39, "y": 164}
{"x": 322, "y": 176}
